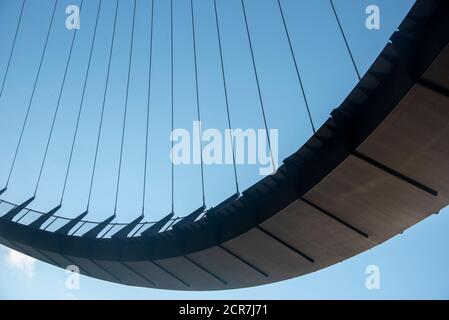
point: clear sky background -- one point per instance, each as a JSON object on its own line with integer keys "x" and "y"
{"x": 412, "y": 265}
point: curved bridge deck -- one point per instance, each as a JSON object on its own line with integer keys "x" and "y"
{"x": 378, "y": 166}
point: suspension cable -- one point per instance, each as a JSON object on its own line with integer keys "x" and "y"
{"x": 103, "y": 107}
{"x": 32, "y": 94}
{"x": 125, "y": 113}
{"x": 197, "y": 98}
{"x": 148, "y": 109}
{"x": 225, "y": 87}
{"x": 172, "y": 109}
{"x": 345, "y": 40}
{"x": 301, "y": 85}
{"x": 258, "y": 83}
{"x": 12, "y": 48}
{"x": 58, "y": 104}
{"x": 81, "y": 104}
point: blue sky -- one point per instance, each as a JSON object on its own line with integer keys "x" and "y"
{"x": 328, "y": 77}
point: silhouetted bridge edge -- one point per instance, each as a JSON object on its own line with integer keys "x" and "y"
{"x": 378, "y": 166}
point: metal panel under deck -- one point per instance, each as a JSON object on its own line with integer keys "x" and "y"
{"x": 376, "y": 168}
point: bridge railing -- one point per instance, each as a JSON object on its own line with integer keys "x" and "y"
{"x": 28, "y": 215}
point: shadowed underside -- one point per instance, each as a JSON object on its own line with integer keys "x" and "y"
{"x": 378, "y": 166}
